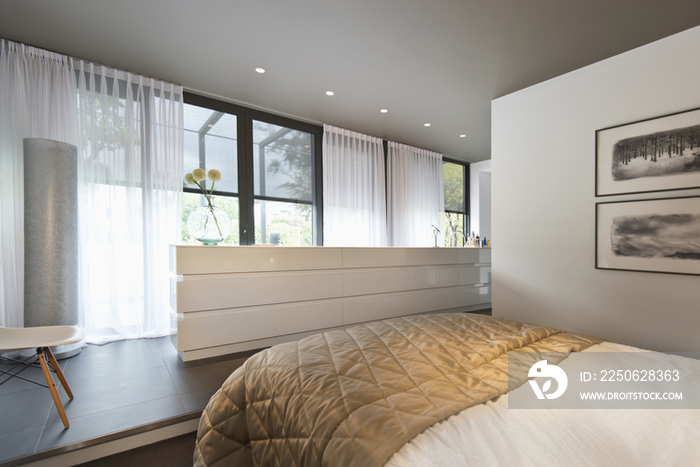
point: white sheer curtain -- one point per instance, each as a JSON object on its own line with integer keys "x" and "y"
{"x": 131, "y": 156}
{"x": 415, "y": 193}
{"x": 129, "y": 133}
{"x": 354, "y": 201}
{"x": 37, "y": 100}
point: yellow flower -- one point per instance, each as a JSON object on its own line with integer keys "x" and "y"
{"x": 189, "y": 179}
{"x": 214, "y": 175}
{"x": 199, "y": 174}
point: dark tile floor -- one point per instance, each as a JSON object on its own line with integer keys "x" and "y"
{"x": 117, "y": 387}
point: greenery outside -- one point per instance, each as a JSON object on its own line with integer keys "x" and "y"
{"x": 454, "y": 204}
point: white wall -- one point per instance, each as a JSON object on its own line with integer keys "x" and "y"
{"x": 544, "y": 200}
{"x": 480, "y": 198}
{"x": 485, "y": 204}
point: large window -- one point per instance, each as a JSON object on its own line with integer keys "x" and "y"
{"x": 456, "y": 218}
{"x": 270, "y": 165}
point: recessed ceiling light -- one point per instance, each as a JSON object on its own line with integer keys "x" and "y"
{"x": 383, "y": 111}
{"x": 462, "y": 136}
{"x": 329, "y": 93}
{"x": 426, "y": 124}
{"x": 260, "y": 70}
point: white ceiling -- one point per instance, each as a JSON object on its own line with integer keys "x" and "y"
{"x": 426, "y": 61}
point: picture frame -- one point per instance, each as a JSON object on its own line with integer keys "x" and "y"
{"x": 657, "y": 154}
{"x": 658, "y": 235}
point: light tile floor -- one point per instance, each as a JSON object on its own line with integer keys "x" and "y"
{"x": 117, "y": 387}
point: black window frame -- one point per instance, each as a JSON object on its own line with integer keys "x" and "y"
{"x": 246, "y": 186}
{"x": 466, "y": 177}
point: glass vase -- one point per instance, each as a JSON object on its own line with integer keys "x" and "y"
{"x": 209, "y": 224}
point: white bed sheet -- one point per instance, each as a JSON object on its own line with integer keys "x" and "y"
{"x": 492, "y": 435}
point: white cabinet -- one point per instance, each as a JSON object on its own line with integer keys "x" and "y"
{"x": 229, "y": 299}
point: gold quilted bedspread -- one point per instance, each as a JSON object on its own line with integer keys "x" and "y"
{"x": 353, "y": 397}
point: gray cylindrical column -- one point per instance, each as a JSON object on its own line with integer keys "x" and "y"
{"x": 50, "y": 233}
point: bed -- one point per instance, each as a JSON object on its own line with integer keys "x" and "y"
{"x": 425, "y": 390}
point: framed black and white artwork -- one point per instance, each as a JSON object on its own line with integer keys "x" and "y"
{"x": 660, "y": 235}
{"x": 658, "y": 154}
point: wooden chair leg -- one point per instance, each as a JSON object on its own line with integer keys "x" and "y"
{"x": 59, "y": 373}
{"x": 52, "y": 386}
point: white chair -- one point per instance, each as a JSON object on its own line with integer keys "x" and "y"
{"x": 41, "y": 338}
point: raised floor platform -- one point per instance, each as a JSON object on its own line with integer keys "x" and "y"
{"x": 127, "y": 394}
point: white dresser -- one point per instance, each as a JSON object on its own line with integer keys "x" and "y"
{"x": 228, "y": 299}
